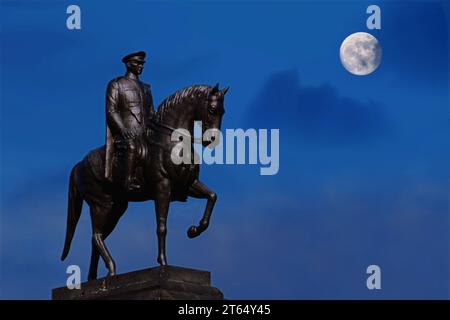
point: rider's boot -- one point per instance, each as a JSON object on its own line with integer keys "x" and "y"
{"x": 130, "y": 170}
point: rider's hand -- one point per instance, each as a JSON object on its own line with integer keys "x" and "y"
{"x": 128, "y": 133}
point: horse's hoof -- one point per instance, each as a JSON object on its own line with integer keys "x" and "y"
{"x": 162, "y": 262}
{"x": 192, "y": 232}
{"x": 111, "y": 273}
{"x": 90, "y": 278}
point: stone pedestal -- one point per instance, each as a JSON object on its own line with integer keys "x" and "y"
{"x": 160, "y": 283}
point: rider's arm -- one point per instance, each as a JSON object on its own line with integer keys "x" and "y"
{"x": 112, "y": 113}
{"x": 151, "y": 108}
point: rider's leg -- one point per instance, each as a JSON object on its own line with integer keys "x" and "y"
{"x": 130, "y": 166}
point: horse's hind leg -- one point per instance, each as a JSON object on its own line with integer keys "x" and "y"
{"x": 103, "y": 222}
{"x": 201, "y": 191}
{"x": 98, "y": 240}
{"x": 95, "y": 255}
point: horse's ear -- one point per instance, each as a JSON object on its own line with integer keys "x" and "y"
{"x": 215, "y": 89}
{"x": 225, "y": 90}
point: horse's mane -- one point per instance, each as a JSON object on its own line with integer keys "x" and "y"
{"x": 192, "y": 92}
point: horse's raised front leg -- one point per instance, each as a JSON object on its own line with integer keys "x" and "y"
{"x": 162, "y": 201}
{"x": 200, "y": 191}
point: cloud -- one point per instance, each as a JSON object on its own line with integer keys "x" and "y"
{"x": 317, "y": 114}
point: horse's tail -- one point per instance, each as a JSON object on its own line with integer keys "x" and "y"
{"x": 74, "y": 206}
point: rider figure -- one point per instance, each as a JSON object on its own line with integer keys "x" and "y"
{"x": 129, "y": 104}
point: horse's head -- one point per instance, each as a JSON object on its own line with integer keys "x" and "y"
{"x": 211, "y": 112}
{"x": 195, "y": 103}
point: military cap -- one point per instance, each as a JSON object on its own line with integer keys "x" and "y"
{"x": 136, "y": 56}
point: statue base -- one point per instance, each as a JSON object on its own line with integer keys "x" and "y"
{"x": 159, "y": 283}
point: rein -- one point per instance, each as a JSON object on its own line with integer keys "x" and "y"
{"x": 156, "y": 126}
{"x": 167, "y": 130}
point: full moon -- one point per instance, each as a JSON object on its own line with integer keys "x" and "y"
{"x": 360, "y": 53}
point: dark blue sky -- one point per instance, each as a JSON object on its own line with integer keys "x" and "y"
{"x": 364, "y": 161}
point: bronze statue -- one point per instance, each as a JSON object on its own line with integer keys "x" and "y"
{"x": 136, "y": 163}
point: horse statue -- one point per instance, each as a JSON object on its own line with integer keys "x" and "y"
{"x": 161, "y": 179}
